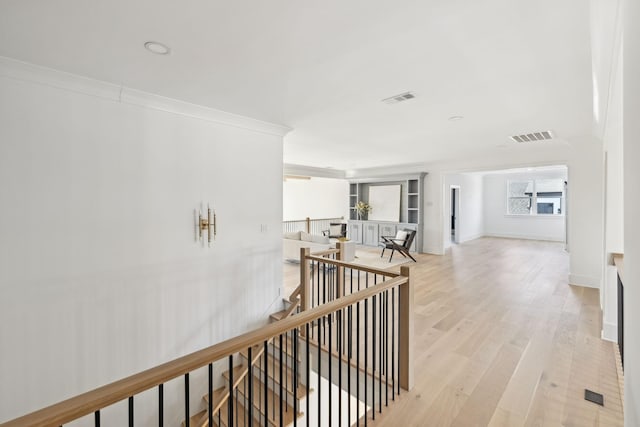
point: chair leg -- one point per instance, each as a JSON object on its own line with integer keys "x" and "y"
{"x": 382, "y": 254}
{"x": 409, "y": 255}
{"x": 392, "y": 251}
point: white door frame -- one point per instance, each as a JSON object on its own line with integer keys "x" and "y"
{"x": 454, "y": 217}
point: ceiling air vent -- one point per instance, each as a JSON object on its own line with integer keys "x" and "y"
{"x": 533, "y": 137}
{"x": 399, "y": 98}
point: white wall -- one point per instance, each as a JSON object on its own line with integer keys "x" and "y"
{"x": 315, "y": 198}
{"x": 470, "y": 212}
{"x": 585, "y": 206}
{"x": 498, "y": 223}
{"x": 606, "y": 29}
{"x": 631, "y": 137}
{"x": 100, "y": 276}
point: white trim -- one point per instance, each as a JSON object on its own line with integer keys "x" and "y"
{"x": 433, "y": 250}
{"x": 536, "y": 215}
{"x": 301, "y": 170}
{"x": 18, "y": 70}
{"x": 585, "y": 281}
{"x": 610, "y": 331}
{"x": 472, "y": 237}
{"x": 523, "y": 236}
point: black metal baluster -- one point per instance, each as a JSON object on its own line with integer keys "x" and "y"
{"x": 350, "y": 341}
{"x": 320, "y": 325}
{"x": 373, "y": 357}
{"x": 250, "y": 381}
{"x": 318, "y": 284}
{"x": 131, "y": 412}
{"x": 324, "y": 283}
{"x": 96, "y": 419}
{"x": 380, "y": 338}
{"x": 399, "y": 349}
{"x": 386, "y": 347}
{"x": 393, "y": 344}
{"x": 273, "y": 380}
{"x": 266, "y": 383}
{"x": 329, "y": 364}
{"x": 244, "y": 398}
{"x": 286, "y": 366}
{"x": 366, "y": 355}
{"x": 308, "y": 366}
{"x": 230, "y": 402}
{"x": 340, "y": 367}
{"x": 210, "y": 390}
{"x": 281, "y": 383}
{"x": 295, "y": 377}
{"x": 161, "y": 405}
{"x": 358, "y": 362}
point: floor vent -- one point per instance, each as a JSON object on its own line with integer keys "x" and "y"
{"x": 399, "y": 98}
{"x": 594, "y": 397}
{"x": 533, "y": 137}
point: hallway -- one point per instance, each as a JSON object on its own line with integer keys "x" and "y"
{"x": 502, "y": 340}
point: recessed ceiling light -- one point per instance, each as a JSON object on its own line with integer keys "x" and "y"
{"x": 455, "y": 118}
{"x": 157, "y": 48}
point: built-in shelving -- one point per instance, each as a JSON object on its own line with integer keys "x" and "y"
{"x": 411, "y": 214}
{"x": 353, "y": 200}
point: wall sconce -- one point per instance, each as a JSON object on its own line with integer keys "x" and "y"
{"x": 207, "y": 225}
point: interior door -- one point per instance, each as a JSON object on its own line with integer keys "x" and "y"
{"x": 455, "y": 214}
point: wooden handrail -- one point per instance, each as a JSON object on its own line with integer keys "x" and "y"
{"x": 89, "y": 402}
{"x": 353, "y": 265}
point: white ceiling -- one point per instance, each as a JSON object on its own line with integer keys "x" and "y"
{"x": 322, "y": 68}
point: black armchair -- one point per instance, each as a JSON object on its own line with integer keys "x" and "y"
{"x": 401, "y": 242}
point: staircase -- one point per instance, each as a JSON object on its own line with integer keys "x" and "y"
{"x": 271, "y": 390}
{"x": 347, "y": 348}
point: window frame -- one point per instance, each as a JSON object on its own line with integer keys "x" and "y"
{"x": 533, "y": 208}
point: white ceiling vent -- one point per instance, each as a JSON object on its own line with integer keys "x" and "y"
{"x": 399, "y": 98}
{"x": 533, "y": 137}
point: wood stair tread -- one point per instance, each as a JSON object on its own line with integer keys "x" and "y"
{"x": 279, "y": 315}
{"x": 256, "y": 351}
{"x": 219, "y": 395}
{"x": 273, "y": 401}
{"x": 239, "y": 373}
{"x": 287, "y": 376}
{"x": 197, "y": 420}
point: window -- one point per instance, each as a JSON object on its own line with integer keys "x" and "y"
{"x": 535, "y": 197}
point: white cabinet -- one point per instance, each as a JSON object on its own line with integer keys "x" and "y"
{"x": 387, "y": 230}
{"x": 370, "y": 236}
{"x": 355, "y": 231}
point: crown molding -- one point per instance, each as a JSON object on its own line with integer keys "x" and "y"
{"x": 312, "y": 171}
{"x": 18, "y": 70}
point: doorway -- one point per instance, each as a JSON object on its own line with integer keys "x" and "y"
{"x": 455, "y": 214}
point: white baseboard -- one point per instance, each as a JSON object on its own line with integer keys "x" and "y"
{"x": 472, "y": 237}
{"x": 586, "y": 281}
{"x": 433, "y": 250}
{"x": 610, "y": 332}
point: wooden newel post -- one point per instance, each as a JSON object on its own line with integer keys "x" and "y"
{"x": 308, "y": 225}
{"x": 340, "y": 269}
{"x": 305, "y": 280}
{"x": 405, "y": 331}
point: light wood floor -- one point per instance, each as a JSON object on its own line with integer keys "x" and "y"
{"x": 501, "y": 339}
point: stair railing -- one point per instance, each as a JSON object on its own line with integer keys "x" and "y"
{"x": 356, "y": 346}
{"x": 309, "y": 225}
